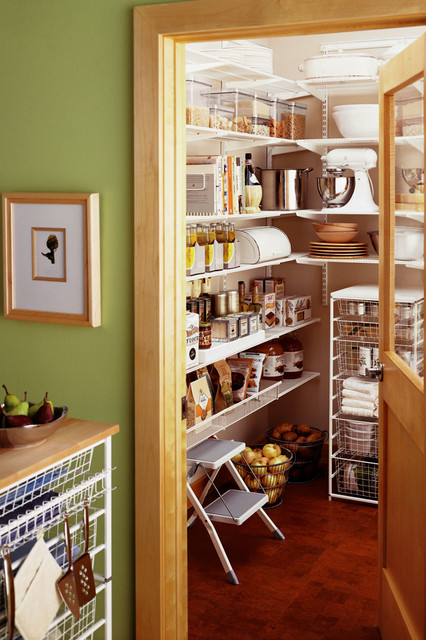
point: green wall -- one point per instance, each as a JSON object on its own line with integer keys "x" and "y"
{"x": 66, "y": 124}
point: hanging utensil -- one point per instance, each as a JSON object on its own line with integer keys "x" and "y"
{"x": 66, "y": 585}
{"x": 10, "y": 591}
{"x": 83, "y": 571}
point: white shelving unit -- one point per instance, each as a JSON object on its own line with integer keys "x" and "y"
{"x": 37, "y": 501}
{"x": 354, "y": 332}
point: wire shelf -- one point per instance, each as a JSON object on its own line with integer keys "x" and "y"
{"x": 47, "y": 511}
{"x": 55, "y": 478}
{"x": 356, "y": 476}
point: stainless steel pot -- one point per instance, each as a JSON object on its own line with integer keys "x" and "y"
{"x": 284, "y": 189}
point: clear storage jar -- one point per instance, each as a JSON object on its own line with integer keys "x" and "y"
{"x": 197, "y": 103}
{"x": 292, "y": 116}
{"x": 221, "y": 117}
{"x": 409, "y": 117}
{"x": 251, "y": 111}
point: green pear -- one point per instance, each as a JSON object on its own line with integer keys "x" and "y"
{"x": 10, "y": 400}
{"x": 20, "y": 409}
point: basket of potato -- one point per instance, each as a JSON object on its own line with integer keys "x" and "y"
{"x": 305, "y": 443}
{"x": 265, "y": 468}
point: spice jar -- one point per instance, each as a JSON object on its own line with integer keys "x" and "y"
{"x": 273, "y": 369}
{"x": 205, "y": 335}
{"x": 293, "y": 356}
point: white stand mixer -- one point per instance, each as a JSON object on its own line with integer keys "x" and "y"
{"x": 359, "y": 160}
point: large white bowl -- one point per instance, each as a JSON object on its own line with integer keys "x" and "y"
{"x": 409, "y": 242}
{"x": 358, "y": 122}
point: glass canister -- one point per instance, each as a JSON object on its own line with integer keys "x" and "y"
{"x": 197, "y": 103}
{"x": 292, "y": 116}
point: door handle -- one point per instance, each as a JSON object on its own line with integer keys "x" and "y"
{"x": 375, "y": 372}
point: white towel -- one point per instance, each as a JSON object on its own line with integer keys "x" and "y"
{"x": 362, "y": 386}
{"x": 349, "y": 393}
{"x": 359, "y": 404}
{"x": 365, "y": 413}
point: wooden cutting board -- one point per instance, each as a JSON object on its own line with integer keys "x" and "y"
{"x": 410, "y": 198}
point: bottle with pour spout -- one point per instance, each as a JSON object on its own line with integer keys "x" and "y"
{"x": 252, "y": 188}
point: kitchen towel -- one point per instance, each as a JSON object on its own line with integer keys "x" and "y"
{"x": 356, "y": 411}
{"x": 350, "y": 393}
{"x": 361, "y": 404}
{"x": 362, "y": 386}
{"x": 36, "y": 597}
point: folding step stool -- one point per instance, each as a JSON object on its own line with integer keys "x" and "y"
{"x": 235, "y": 506}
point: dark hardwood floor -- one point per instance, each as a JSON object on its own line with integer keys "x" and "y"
{"x": 319, "y": 583}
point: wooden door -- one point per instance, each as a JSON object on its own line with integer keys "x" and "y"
{"x": 402, "y": 415}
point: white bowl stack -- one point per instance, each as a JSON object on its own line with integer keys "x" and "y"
{"x": 357, "y": 120}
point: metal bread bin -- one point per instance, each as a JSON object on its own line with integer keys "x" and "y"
{"x": 262, "y": 244}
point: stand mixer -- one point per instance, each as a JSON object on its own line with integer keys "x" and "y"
{"x": 356, "y": 194}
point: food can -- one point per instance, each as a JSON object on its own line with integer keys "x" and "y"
{"x": 205, "y": 336}
{"x": 233, "y": 301}
{"x": 221, "y": 304}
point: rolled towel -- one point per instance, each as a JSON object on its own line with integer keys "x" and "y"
{"x": 360, "y": 404}
{"x": 365, "y": 413}
{"x": 349, "y": 393}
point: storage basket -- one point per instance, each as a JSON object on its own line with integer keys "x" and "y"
{"x": 269, "y": 479}
{"x": 358, "y": 477}
{"x": 356, "y": 436}
{"x": 307, "y": 454}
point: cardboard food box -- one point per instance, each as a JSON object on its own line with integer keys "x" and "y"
{"x": 297, "y": 309}
{"x": 275, "y": 285}
{"x": 267, "y": 300}
{"x": 192, "y": 338}
{"x": 198, "y": 402}
{"x": 280, "y": 312}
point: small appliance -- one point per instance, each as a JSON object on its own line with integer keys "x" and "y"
{"x": 358, "y": 160}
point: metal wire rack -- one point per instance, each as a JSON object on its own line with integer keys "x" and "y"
{"x": 356, "y": 437}
{"x": 47, "y": 511}
{"x": 356, "y": 476}
{"x": 57, "y": 477}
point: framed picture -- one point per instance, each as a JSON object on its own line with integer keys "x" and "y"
{"x": 51, "y": 257}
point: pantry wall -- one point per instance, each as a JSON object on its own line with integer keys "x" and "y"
{"x": 309, "y": 402}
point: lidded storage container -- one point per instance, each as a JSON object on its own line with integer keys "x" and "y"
{"x": 251, "y": 111}
{"x": 221, "y": 117}
{"x": 409, "y": 115}
{"x": 292, "y": 117}
{"x": 197, "y": 103}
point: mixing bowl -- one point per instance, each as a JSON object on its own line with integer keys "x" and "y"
{"x": 415, "y": 179}
{"x": 357, "y": 120}
{"x": 342, "y": 235}
{"x": 337, "y": 190}
{"x": 408, "y": 242}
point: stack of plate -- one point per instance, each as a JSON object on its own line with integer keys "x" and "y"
{"x": 338, "y": 250}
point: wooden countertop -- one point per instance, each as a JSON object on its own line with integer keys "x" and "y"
{"x": 71, "y": 437}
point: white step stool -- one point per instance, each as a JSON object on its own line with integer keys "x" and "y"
{"x": 235, "y": 506}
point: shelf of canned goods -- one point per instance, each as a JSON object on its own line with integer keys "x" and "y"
{"x": 354, "y": 407}
{"x": 40, "y": 488}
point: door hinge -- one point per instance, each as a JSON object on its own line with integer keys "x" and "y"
{"x": 183, "y": 405}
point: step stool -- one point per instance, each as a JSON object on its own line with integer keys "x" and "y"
{"x": 234, "y": 506}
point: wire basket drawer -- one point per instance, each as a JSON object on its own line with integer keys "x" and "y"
{"x": 357, "y": 477}
{"x": 357, "y": 437}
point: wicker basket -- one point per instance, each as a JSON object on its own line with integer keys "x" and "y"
{"x": 306, "y": 455}
{"x": 269, "y": 479}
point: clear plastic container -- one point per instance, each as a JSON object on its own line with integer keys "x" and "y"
{"x": 409, "y": 117}
{"x": 292, "y": 116}
{"x": 251, "y": 111}
{"x": 412, "y": 127}
{"x": 197, "y": 103}
{"x": 221, "y": 117}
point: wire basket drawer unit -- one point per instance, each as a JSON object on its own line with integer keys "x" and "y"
{"x": 356, "y": 437}
{"x": 356, "y": 476}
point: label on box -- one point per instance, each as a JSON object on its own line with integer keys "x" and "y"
{"x": 297, "y": 309}
{"x": 199, "y": 402}
{"x": 267, "y": 300}
{"x": 275, "y": 285}
{"x": 192, "y": 337}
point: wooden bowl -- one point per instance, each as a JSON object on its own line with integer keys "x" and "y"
{"x": 338, "y": 236}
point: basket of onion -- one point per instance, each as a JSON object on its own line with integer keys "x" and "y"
{"x": 265, "y": 468}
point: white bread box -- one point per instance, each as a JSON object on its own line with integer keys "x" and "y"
{"x": 262, "y": 244}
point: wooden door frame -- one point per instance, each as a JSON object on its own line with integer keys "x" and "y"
{"x": 160, "y": 33}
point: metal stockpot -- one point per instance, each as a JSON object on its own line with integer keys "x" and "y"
{"x": 284, "y": 189}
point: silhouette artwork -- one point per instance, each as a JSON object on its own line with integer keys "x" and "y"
{"x": 52, "y": 244}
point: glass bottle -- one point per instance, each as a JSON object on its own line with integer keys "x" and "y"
{"x": 293, "y": 356}
{"x": 255, "y": 304}
{"x": 212, "y": 233}
{"x": 249, "y": 174}
{"x": 231, "y": 232}
{"x": 273, "y": 369}
{"x": 202, "y": 233}
{"x": 242, "y": 295}
{"x": 220, "y": 236}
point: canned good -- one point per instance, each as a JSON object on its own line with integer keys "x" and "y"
{"x": 364, "y": 360}
{"x": 221, "y": 304}
{"x": 233, "y": 302}
{"x": 205, "y": 335}
{"x": 356, "y": 308}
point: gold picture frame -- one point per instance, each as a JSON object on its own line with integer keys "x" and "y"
{"x": 51, "y": 258}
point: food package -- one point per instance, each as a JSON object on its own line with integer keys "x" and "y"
{"x": 198, "y": 402}
{"x": 276, "y": 286}
{"x": 267, "y": 300}
{"x": 297, "y": 309}
{"x": 256, "y": 370}
{"x": 241, "y": 370}
{"x": 192, "y": 338}
{"x": 224, "y": 397}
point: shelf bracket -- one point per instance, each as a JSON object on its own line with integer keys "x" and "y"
{"x": 324, "y": 284}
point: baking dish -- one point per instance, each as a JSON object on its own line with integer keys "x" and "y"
{"x": 340, "y": 65}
